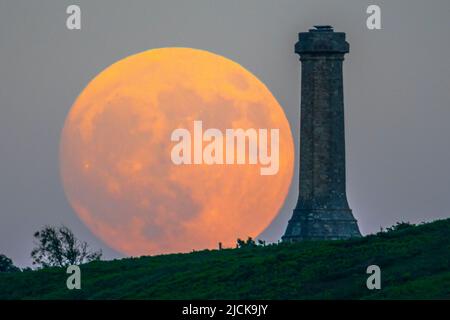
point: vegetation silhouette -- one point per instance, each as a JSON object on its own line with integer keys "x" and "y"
{"x": 6, "y": 264}
{"x": 414, "y": 263}
{"x": 58, "y": 247}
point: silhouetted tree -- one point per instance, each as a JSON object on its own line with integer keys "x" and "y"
{"x": 58, "y": 247}
{"x": 6, "y": 264}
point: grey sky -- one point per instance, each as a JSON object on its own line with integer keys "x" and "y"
{"x": 396, "y": 80}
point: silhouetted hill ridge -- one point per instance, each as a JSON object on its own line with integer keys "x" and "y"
{"x": 414, "y": 261}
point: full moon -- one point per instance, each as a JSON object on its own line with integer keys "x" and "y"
{"x": 115, "y": 154}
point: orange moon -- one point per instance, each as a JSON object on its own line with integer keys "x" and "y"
{"x": 115, "y": 154}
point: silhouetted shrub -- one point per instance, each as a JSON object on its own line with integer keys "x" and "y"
{"x": 250, "y": 243}
{"x": 6, "y": 264}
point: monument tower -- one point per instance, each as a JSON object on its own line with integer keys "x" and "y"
{"x": 322, "y": 211}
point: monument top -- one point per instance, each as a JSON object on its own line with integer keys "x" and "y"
{"x": 321, "y": 28}
{"x": 321, "y": 40}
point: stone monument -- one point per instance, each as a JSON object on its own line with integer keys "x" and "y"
{"x": 322, "y": 211}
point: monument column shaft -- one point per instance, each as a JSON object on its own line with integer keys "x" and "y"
{"x": 322, "y": 135}
{"x": 322, "y": 211}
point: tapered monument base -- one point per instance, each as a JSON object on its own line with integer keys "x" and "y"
{"x": 321, "y": 225}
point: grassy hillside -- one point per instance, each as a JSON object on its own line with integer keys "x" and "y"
{"x": 415, "y": 264}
